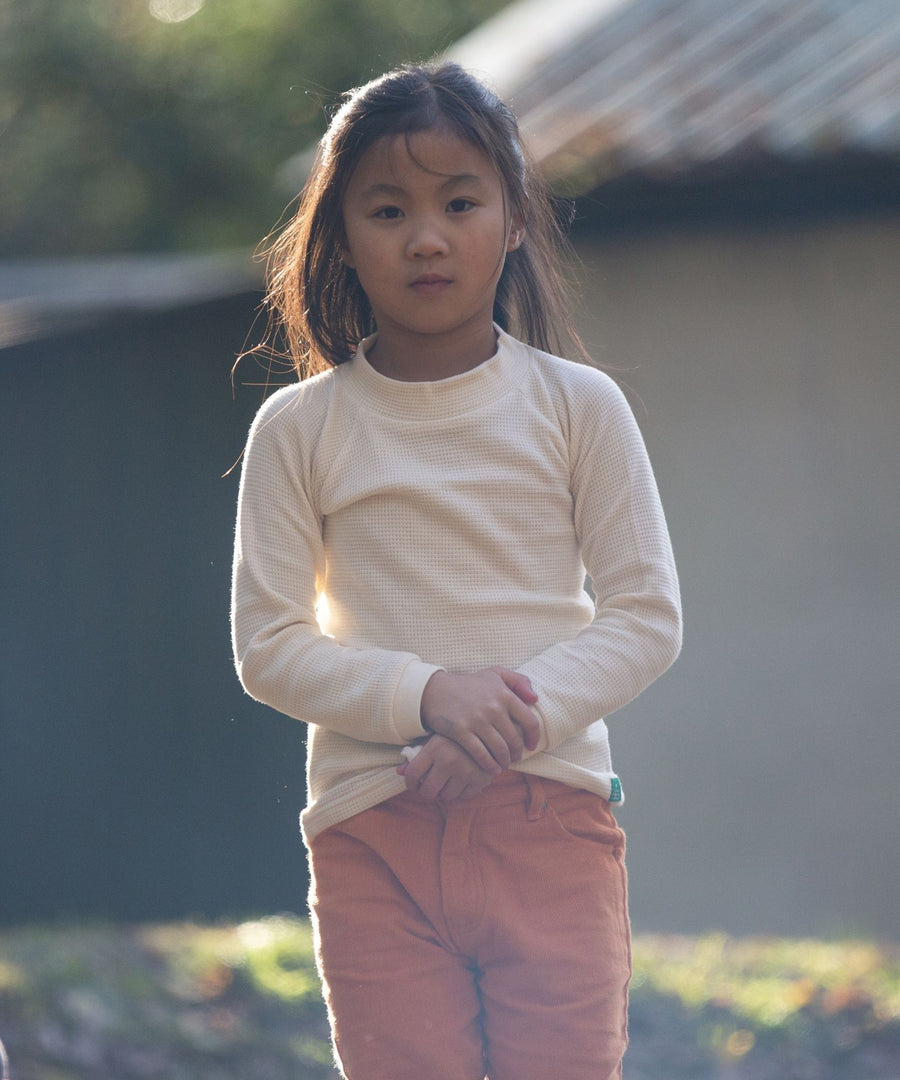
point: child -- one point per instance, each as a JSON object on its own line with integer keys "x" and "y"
{"x": 442, "y": 487}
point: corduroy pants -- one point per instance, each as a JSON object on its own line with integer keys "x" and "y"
{"x": 489, "y": 936}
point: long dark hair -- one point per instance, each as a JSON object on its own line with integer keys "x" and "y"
{"x": 318, "y": 310}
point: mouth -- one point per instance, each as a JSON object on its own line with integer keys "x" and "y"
{"x": 430, "y": 283}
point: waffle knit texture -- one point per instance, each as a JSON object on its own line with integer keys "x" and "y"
{"x": 449, "y": 525}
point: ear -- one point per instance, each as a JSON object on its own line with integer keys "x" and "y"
{"x": 516, "y": 232}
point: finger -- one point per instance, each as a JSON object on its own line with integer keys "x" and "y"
{"x": 452, "y": 789}
{"x": 481, "y": 755}
{"x": 434, "y": 783}
{"x": 416, "y": 772}
{"x": 519, "y": 684}
{"x": 529, "y": 723}
{"x": 504, "y": 741}
{"x": 497, "y": 742}
{"x": 511, "y": 734}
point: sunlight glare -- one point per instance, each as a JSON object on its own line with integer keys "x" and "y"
{"x": 174, "y": 11}
{"x": 323, "y": 612}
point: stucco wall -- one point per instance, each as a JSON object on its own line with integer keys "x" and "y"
{"x": 761, "y": 773}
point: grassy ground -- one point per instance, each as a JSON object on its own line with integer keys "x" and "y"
{"x": 241, "y": 1002}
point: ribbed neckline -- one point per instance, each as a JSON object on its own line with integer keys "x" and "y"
{"x": 442, "y": 398}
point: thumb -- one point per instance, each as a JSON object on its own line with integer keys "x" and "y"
{"x": 519, "y": 684}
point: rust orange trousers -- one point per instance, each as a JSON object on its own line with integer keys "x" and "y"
{"x": 489, "y": 937}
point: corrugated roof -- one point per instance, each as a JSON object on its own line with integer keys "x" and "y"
{"x": 45, "y": 295}
{"x": 667, "y": 86}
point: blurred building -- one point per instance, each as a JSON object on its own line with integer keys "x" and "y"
{"x": 736, "y": 171}
{"x": 735, "y": 166}
{"x": 136, "y": 780}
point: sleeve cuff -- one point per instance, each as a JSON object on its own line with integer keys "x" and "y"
{"x": 407, "y": 713}
{"x": 544, "y": 742}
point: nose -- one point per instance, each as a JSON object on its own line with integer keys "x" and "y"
{"x": 427, "y": 238}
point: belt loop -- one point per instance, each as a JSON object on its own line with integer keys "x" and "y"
{"x": 537, "y": 802}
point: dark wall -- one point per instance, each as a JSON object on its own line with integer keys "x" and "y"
{"x": 136, "y": 779}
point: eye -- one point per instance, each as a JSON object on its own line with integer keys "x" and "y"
{"x": 388, "y": 213}
{"x": 460, "y": 206}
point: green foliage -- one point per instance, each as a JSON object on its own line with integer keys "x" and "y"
{"x": 179, "y": 1001}
{"x": 236, "y": 1002}
{"x": 274, "y": 955}
{"x": 795, "y": 1006}
{"x": 119, "y": 131}
{"x": 770, "y": 982}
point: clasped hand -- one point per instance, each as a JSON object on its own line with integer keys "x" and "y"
{"x": 481, "y": 723}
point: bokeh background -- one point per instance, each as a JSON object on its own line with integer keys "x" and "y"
{"x": 734, "y": 169}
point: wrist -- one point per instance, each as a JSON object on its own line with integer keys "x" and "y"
{"x": 429, "y": 692}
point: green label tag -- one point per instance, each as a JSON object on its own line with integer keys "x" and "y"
{"x": 615, "y": 790}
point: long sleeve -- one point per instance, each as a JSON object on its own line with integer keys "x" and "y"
{"x": 636, "y": 631}
{"x": 282, "y": 656}
{"x": 448, "y": 525}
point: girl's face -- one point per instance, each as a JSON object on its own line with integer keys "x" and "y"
{"x": 427, "y": 229}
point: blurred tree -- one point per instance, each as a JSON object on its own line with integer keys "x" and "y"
{"x": 125, "y": 125}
